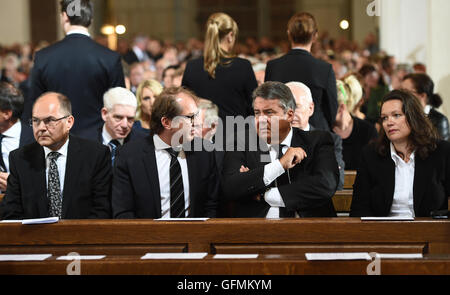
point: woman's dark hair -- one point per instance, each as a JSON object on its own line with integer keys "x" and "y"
{"x": 423, "y": 84}
{"x": 423, "y": 138}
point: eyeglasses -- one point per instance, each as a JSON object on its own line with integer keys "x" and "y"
{"x": 191, "y": 118}
{"x": 48, "y": 122}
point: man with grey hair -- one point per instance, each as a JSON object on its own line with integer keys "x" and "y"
{"x": 296, "y": 175}
{"x": 118, "y": 113}
{"x": 305, "y": 109}
{"x": 60, "y": 175}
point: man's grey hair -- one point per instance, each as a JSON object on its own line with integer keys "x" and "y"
{"x": 300, "y": 86}
{"x": 211, "y": 110}
{"x": 276, "y": 90}
{"x": 119, "y": 96}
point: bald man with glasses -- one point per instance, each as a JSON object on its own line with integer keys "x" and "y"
{"x": 59, "y": 175}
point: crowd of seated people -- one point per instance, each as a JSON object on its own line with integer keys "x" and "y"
{"x": 161, "y": 122}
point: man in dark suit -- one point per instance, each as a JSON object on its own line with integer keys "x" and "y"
{"x": 59, "y": 175}
{"x": 289, "y": 172}
{"x": 13, "y": 132}
{"x": 139, "y": 51}
{"x": 299, "y": 65}
{"x": 79, "y": 68}
{"x": 163, "y": 175}
{"x": 305, "y": 109}
{"x": 118, "y": 113}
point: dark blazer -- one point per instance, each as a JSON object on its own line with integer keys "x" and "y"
{"x": 441, "y": 123}
{"x": 82, "y": 70}
{"x": 231, "y": 90}
{"x": 130, "y": 57}
{"x": 87, "y": 184}
{"x": 373, "y": 191}
{"x": 338, "y": 150}
{"x": 136, "y": 192}
{"x": 299, "y": 65}
{"x": 314, "y": 180}
{"x": 26, "y": 135}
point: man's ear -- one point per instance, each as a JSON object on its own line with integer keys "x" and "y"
{"x": 311, "y": 109}
{"x": 104, "y": 114}
{"x": 166, "y": 123}
{"x": 290, "y": 116}
{"x": 6, "y": 115}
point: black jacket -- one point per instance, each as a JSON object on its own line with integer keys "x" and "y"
{"x": 136, "y": 192}
{"x": 82, "y": 70}
{"x": 440, "y": 122}
{"x": 313, "y": 181}
{"x": 299, "y": 65}
{"x": 87, "y": 184}
{"x": 374, "y": 186}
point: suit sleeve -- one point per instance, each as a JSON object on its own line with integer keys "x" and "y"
{"x": 330, "y": 103}
{"x": 117, "y": 78}
{"x": 187, "y": 75}
{"x": 314, "y": 189}
{"x": 37, "y": 85}
{"x": 361, "y": 191}
{"x": 212, "y": 202}
{"x": 250, "y": 85}
{"x": 11, "y": 206}
{"x": 123, "y": 205}
{"x": 101, "y": 195}
{"x": 237, "y": 185}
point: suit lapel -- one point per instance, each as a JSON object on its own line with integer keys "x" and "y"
{"x": 73, "y": 168}
{"x": 388, "y": 181}
{"x": 38, "y": 178}
{"x": 151, "y": 168}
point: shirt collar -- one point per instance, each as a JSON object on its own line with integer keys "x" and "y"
{"x": 107, "y": 137}
{"x": 287, "y": 141}
{"x": 14, "y": 131}
{"x": 397, "y": 159}
{"x": 308, "y": 128}
{"x": 161, "y": 145}
{"x": 427, "y": 109}
{"x": 78, "y": 32}
{"x": 62, "y": 150}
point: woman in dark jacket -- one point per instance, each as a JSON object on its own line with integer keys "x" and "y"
{"x": 407, "y": 172}
{"x": 422, "y": 86}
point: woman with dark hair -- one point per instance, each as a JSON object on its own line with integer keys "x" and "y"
{"x": 422, "y": 87}
{"x": 407, "y": 172}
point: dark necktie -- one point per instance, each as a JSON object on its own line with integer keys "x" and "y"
{"x": 54, "y": 187}
{"x": 177, "y": 206}
{"x": 114, "y": 145}
{"x": 283, "y": 180}
{"x": 2, "y": 163}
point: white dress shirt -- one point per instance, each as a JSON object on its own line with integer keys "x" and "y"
{"x": 61, "y": 163}
{"x": 11, "y": 142}
{"x": 163, "y": 159}
{"x": 78, "y": 32}
{"x": 106, "y": 137}
{"x": 403, "y": 203}
{"x": 272, "y": 171}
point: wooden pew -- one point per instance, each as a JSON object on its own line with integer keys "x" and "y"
{"x": 284, "y": 236}
{"x": 349, "y": 179}
{"x": 1, "y": 197}
{"x": 263, "y": 265}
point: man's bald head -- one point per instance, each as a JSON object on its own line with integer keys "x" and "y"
{"x": 305, "y": 104}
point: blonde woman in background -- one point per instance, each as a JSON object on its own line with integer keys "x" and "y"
{"x": 220, "y": 76}
{"x": 145, "y": 94}
{"x": 355, "y": 133}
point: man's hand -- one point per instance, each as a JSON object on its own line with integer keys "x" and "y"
{"x": 292, "y": 157}
{"x": 3, "y": 181}
{"x": 244, "y": 169}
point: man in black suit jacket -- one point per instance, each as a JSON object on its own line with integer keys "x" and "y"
{"x": 161, "y": 175}
{"x": 303, "y": 180}
{"x": 13, "y": 132}
{"x": 59, "y": 175}
{"x": 118, "y": 113}
{"x": 79, "y": 68}
{"x": 299, "y": 65}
